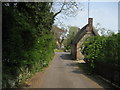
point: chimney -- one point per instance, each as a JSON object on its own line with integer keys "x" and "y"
{"x": 90, "y": 22}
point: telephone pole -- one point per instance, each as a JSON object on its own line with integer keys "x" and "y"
{"x": 88, "y": 7}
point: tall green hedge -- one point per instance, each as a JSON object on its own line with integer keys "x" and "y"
{"x": 102, "y": 49}
{"x": 27, "y": 41}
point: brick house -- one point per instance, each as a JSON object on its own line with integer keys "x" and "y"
{"x": 82, "y": 35}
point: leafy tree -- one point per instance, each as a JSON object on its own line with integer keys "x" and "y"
{"x": 59, "y": 35}
{"x": 72, "y": 32}
{"x": 27, "y": 40}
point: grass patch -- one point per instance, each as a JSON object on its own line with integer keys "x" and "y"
{"x": 58, "y": 50}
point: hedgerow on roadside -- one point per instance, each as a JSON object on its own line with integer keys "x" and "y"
{"x": 102, "y": 49}
{"x": 28, "y": 43}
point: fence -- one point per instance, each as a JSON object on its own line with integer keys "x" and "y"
{"x": 108, "y": 71}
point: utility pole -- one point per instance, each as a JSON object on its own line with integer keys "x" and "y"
{"x": 88, "y": 7}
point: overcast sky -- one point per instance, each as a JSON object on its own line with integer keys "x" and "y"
{"x": 105, "y": 13}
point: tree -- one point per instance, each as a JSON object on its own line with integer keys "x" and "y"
{"x": 28, "y": 44}
{"x": 59, "y": 35}
{"x": 72, "y": 32}
{"x": 67, "y": 8}
{"x": 64, "y": 10}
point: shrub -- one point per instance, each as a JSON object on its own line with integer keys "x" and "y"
{"x": 28, "y": 44}
{"x": 102, "y": 49}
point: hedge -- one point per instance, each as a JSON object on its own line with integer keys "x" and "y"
{"x": 102, "y": 49}
{"x": 28, "y": 43}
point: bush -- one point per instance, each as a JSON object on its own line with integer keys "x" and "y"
{"x": 102, "y": 49}
{"x": 28, "y": 45}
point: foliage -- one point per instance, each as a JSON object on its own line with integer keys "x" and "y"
{"x": 28, "y": 44}
{"x": 58, "y": 50}
{"x": 59, "y": 35}
{"x": 72, "y": 32}
{"x": 102, "y": 49}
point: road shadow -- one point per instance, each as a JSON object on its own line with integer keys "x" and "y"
{"x": 82, "y": 68}
{"x": 71, "y": 64}
{"x": 89, "y": 73}
{"x": 66, "y": 56}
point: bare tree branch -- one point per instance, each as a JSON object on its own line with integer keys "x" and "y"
{"x": 59, "y": 11}
{"x": 66, "y": 8}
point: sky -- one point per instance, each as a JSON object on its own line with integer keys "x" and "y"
{"x": 105, "y": 13}
{"x": 119, "y": 17}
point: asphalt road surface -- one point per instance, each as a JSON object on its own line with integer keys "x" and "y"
{"x": 64, "y": 73}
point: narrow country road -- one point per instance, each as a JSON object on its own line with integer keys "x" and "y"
{"x": 64, "y": 73}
